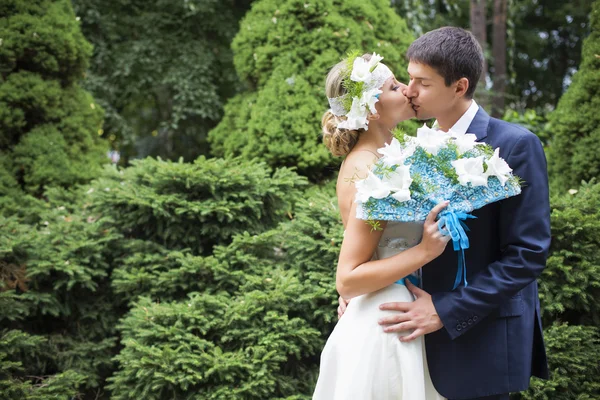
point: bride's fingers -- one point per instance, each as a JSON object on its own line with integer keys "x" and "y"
{"x": 402, "y": 327}
{"x": 435, "y": 211}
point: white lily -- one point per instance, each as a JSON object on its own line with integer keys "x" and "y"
{"x": 399, "y": 182}
{"x": 369, "y": 187}
{"x": 369, "y": 98}
{"x": 470, "y": 170}
{"x": 375, "y": 59}
{"x": 356, "y": 118}
{"x": 361, "y": 70}
{"x": 464, "y": 141}
{"x": 432, "y": 141}
{"x": 496, "y": 166}
{"x": 394, "y": 154}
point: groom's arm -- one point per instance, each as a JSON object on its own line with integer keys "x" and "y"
{"x": 524, "y": 225}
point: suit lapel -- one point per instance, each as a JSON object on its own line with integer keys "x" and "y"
{"x": 479, "y": 125}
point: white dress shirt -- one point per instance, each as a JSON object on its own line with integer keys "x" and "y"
{"x": 464, "y": 122}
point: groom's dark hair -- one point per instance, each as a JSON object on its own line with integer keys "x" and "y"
{"x": 453, "y": 52}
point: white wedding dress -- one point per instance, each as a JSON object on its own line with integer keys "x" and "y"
{"x": 362, "y": 362}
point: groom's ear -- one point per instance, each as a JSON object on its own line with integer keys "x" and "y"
{"x": 462, "y": 85}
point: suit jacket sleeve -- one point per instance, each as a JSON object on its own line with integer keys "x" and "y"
{"x": 524, "y": 224}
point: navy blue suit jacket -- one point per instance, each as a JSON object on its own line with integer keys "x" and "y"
{"x": 492, "y": 342}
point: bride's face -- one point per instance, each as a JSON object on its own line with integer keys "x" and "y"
{"x": 393, "y": 106}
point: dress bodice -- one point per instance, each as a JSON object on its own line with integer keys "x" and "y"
{"x": 397, "y": 237}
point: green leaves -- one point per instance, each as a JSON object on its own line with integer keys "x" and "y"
{"x": 575, "y": 124}
{"x": 48, "y": 124}
{"x": 570, "y": 285}
{"x": 195, "y": 205}
{"x": 247, "y": 320}
{"x": 162, "y": 70}
{"x": 573, "y": 353}
{"x": 283, "y": 52}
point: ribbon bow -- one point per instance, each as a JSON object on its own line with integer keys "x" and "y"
{"x": 451, "y": 223}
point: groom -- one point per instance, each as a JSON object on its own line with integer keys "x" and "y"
{"x": 483, "y": 340}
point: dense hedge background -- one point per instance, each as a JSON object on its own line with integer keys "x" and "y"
{"x": 212, "y": 277}
{"x": 282, "y": 53}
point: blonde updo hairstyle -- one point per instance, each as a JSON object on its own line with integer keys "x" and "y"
{"x": 339, "y": 141}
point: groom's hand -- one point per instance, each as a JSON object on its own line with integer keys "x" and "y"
{"x": 419, "y": 315}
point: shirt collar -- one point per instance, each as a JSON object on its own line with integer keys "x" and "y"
{"x": 462, "y": 125}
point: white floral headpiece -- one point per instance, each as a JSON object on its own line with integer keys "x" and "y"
{"x": 363, "y": 85}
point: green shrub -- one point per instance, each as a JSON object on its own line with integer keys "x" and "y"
{"x": 575, "y": 124}
{"x": 144, "y": 231}
{"x": 48, "y": 124}
{"x": 573, "y": 353}
{"x": 181, "y": 205}
{"x": 530, "y": 119}
{"x": 283, "y": 52}
{"x": 53, "y": 289}
{"x": 570, "y": 284}
{"x": 246, "y": 322}
{"x": 162, "y": 70}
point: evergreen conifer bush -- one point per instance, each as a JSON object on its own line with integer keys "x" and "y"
{"x": 573, "y": 354}
{"x": 57, "y": 322}
{"x": 570, "y": 283}
{"x": 575, "y": 124}
{"x": 250, "y": 324}
{"x": 68, "y": 279}
{"x": 57, "y": 314}
{"x": 181, "y": 205}
{"x": 48, "y": 124}
{"x": 283, "y": 52}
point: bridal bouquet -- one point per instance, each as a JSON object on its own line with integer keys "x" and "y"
{"x": 416, "y": 173}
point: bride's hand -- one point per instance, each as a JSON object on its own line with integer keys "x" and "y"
{"x": 342, "y": 307}
{"x": 433, "y": 242}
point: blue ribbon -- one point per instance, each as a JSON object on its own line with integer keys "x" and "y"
{"x": 451, "y": 223}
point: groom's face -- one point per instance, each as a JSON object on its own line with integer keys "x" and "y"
{"x": 428, "y": 93}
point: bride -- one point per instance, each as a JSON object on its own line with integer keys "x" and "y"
{"x": 360, "y": 361}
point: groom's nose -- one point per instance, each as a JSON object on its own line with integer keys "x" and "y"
{"x": 410, "y": 91}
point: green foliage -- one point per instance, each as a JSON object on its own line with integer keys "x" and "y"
{"x": 569, "y": 292}
{"x": 14, "y": 344}
{"x": 181, "y": 205}
{"x": 253, "y": 320}
{"x": 538, "y": 75}
{"x": 162, "y": 70}
{"x": 149, "y": 231}
{"x": 48, "y": 125}
{"x": 573, "y": 353}
{"x": 62, "y": 52}
{"x": 57, "y": 319}
{"x": 531, "y": 120}
{"x": 54, "y": 289}
{"x": 575, "y": 125}
{"x": 570, "y": 284}
{"x": 283, "y": 52}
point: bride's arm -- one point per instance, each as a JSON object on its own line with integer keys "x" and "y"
{"x": 357, "y": 274}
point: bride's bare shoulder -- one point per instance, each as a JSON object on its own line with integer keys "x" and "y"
{"x": 356, "y": 166}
